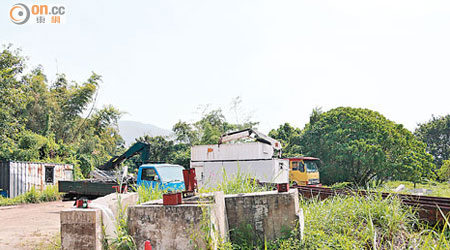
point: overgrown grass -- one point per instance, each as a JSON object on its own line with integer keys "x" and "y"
{"x": 355, "y": 222}
{"x": 50, "y": 193}
{"x": 339, "y": 222}
{"x": 441, "y": 189}
{"x": 149, "y": 193}
{"x": 237, "y": 184}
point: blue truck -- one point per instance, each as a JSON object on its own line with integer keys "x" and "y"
{"x": 165, "y": 176}
{"x": 162, "y": 176}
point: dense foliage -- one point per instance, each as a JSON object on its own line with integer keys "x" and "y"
{"x": 177, "y": 150}
{"x": 46, "y": 121}
{"x": 290, "y": 139}
{"x": 361, "y": 145}
{"x": 436, "y": 134}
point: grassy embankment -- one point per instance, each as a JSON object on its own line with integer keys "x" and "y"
{"x": 50, "y": 193}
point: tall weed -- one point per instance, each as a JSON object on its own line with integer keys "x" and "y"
{"x": 123, "y": 240}
{"x": 50, "y": 193}
{"x": 237, "y": 184}
{"x": 149, "y": 193}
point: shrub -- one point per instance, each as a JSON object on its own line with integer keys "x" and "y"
{"x": 444, "y": 171}
{"x": 50, "y": 193}
{"x": 148, "y": 193}
{"x": 32, "y": 196}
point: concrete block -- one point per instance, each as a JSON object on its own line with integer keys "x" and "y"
{"x": 219, "y": 215}
{"x": 264, "y": 215}
{"x": 184, "y": 226}
{"x": 81, "y": 229}
{"x": 109, "y": 205}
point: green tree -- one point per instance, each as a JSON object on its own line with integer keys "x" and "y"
{"x": 290, "y": 139}
{"x": 38, "y": 108}
{"x": 98, "y": 139}
{"x": 361, "y": 145}
{"x": 40, "y": 121}
{"x": 12, "y": 94}
{"x": 162, "y": 150}
{"x": 184, "y": 133}
{"x": 212, "y": 125}
{"x": 444, "y": 171}
{"x": 207, "y": 130}
{"x": 436, "y": 134}
{"x": 70, "y": 100}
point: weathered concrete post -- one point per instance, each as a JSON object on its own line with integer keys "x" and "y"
{"x": 81, "y": 229}
{"x": 263, "y": 215}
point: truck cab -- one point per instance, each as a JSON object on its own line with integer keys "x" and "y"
{"x": 164, "y": 176}
{"x": 304, "y": 171}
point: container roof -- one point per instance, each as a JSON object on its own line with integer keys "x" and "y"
{"x": 307, "y": 158}
{"x": 160, "y": 165}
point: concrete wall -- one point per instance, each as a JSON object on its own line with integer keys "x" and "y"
{"x": 81, "y": 229}
{"x": 265, "y": 215}
{"x": 186, "y": 226}
{"x": 182, "y": 226}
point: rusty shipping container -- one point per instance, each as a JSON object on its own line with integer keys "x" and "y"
{"x": 18, "y": 177}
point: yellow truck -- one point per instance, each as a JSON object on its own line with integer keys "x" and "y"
{"x": 304, "y": 171}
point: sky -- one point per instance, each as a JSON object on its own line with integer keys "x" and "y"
{"x": 162, "y": 60}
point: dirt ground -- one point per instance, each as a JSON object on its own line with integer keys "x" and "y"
{"x": 23, "y": 225}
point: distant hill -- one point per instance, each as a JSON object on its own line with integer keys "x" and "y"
{"x": 129, "y": 130}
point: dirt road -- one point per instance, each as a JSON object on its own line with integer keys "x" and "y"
{"x": 24, "y": 224}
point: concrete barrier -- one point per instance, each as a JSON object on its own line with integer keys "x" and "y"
{"x": 264, "y": 215}
{"x": 82, "y": 228}
{"x": 200, "y": 222}
{"x": 191, "y": 225}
